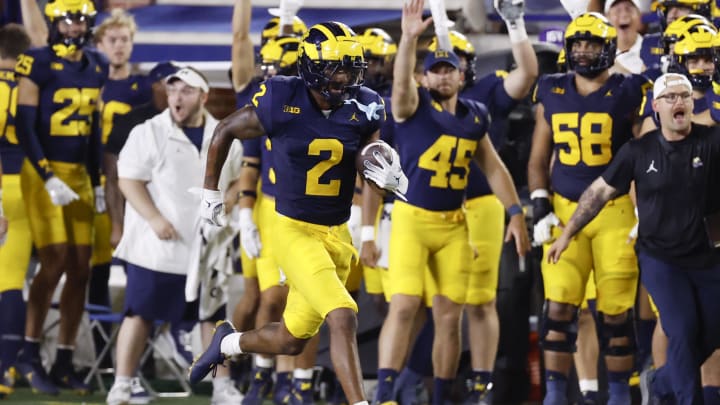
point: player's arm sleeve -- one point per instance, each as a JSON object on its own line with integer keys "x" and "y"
{"x": 30, "y": 68}
{"x": 620, "y": 173}
{"x": 263, "y": 103}
{"x": 500, "y": 104}
{"x": 137, "y": 157}
{"x": 28, "y": 140}
{"x": 95, "y": 150}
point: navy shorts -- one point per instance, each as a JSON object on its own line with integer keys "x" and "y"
{"x": 153, "y": 295}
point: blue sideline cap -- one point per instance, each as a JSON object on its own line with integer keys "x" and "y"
{"x": 162, "y": 70}
{"x": 433, "y": 58}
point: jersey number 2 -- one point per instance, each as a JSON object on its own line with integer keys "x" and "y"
{"x": 313, "y": 186}
{"x": 588, "y": 138}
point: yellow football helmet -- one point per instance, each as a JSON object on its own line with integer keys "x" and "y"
{"x": 326, "y": 49}
{"x": 595, "y": 27}
{"x": 281, "y": 55}
{"x": 463, "y": 48}
{"x": 377, "y": 43}
{"x": 69, "y": 11}
{"x": 701, "y": 7}
{"x": 678, "y": 28}
{"x": 272, "y": 29}
{"x": 697, "y": 42}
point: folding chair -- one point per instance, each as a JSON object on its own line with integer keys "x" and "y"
{"x": 152, "y": 346}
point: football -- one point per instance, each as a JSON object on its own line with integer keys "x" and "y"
{"x": 367, "y": 155}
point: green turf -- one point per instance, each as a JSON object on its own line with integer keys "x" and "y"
{"x": 23, "y": 395}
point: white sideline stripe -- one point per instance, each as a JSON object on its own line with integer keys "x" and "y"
{"x": 188, "y": 38}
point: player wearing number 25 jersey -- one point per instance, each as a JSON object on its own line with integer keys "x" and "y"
{"x": 583, "y": 118}
{"x": 58, "y": 128}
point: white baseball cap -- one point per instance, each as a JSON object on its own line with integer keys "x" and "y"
{"x": 610, "y": 3}
{"x": 191, "y": 78}
{"x": 669, "y": 80}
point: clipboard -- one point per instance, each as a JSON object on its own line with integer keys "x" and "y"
{"x": 712, "y": 228}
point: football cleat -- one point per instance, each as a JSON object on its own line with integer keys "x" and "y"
{"x": 212, "y": 356}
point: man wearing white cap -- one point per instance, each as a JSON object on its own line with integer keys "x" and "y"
{"x": 674, "y": 166}
{"x": 625, "y": 16}
{"x": 162, "y": 159}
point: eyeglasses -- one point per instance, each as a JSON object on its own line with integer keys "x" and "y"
{"x": 672, "y": 98}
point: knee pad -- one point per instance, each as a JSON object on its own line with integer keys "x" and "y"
{"x": 568, "y": 328}
{"x": 625, "y": 329}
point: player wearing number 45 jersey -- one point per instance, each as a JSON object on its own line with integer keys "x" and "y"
{"x": 57, "y": 127}
{"x": 317, "y": 123}
{"x": 437, "y": 135}
{"x": 583, "y": 118}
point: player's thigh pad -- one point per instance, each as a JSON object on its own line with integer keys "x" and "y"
{"x": 614, "y": 260}
{"x": 51, "y": 224}
{"x": 316, "y": 260}
{"x": 486, "y": 224}
{"x": 565, "y": 281}
{"x": 15, "y": 253}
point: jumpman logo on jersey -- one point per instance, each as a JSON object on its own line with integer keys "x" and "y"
{"x": 651, "y": 168}
{"x": 354, "y": 118}
{"x": 371, "y": 110}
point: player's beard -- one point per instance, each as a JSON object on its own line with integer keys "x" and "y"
{"x": 437, "y": 95}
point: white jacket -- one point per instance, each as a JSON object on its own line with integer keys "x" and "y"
{"x": 159, "y": 152}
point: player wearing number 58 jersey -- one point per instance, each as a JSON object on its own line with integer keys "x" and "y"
{"x": 583, "y": 118}
{"x": 58, "y": 128}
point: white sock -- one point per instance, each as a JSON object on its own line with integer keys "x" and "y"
{"x": 264, "y": 362}
{"x": 304, "y": 373}
{"x": 230, "y": 345}
{"x": 122, "y": 380}
{"x": 361, "y": 403}
{"x": 220, "y": 382}
{"x": 588, "y": 385}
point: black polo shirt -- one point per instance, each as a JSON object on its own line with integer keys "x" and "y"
{"x": 676, "y": 185}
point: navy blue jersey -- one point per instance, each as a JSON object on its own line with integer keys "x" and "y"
{"x": 436, "y": 148}
{"x": 651, "y": 51}
{"x": 120, "y": 96}
{"x": 314, "y": 160}
{"x": 258, "y": 147}
{"x": 587, "y": 130}
{"x": 69, "y": 94}
{"x": 10, "y": 152}
{"x": 490, "y": 91}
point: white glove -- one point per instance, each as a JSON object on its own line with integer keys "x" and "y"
{"x": 542, "y": 231}
{"x": 575, "y": 7}
{"x": 355, "y": 225}
{"x": 287, "y": 11}
{"x": 212, "y": 207}
{"x": 510, "y": 10}
{"x": 249, "y": 235}
{"x": 60, "y": 193}
{"x": 100, "y": 205}
{"x": 388, "y": 176}
{"x": 634, "y": 231}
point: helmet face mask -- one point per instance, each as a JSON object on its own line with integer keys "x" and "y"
{"x": 593, "y": 28}
{"x": 331, "y": 62}
{"x": 62, "y": 16}
{"x": 694, "y": 56}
